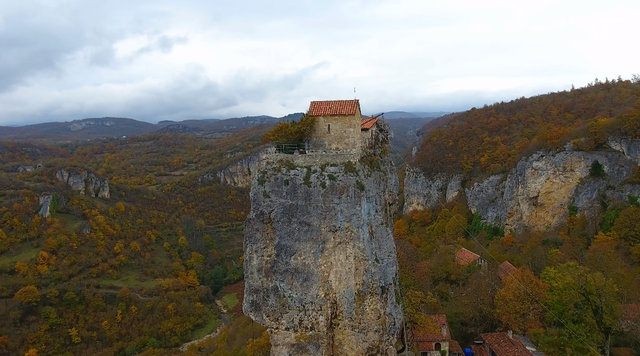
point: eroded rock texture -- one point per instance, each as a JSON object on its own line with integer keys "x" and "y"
{"x": 85, "y": 183}
{"x": 320, "y": 261}
{"x": 538, "y": 193}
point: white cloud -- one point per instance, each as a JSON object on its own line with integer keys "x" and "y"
{"x": 156, "y": 60}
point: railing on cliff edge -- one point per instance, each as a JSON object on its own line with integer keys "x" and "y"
{"x": 291, "y": 148}
{"x": 304, "y": 149}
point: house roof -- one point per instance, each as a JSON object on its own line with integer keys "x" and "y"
{"x": 630, "y": 318}
{"x": 630, "y": 312}
{"x": 503, "y": 345}
{"x": 454, "y": 346}
{"x": 465, "y": 257}
{"x": 478, "y": 350}
{"x": 433, "y": 328}
{"x": 369, "y": 122}
{"x": 505, "y": 269}
{"x": 334, "y": 108}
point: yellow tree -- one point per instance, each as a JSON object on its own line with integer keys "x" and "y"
{"x": 28, "y": 295}
{"x": 519, "y": 303}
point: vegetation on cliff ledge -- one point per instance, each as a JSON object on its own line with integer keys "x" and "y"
{"x": 291, "y": 132}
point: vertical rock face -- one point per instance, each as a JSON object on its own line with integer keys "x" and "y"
{"x": 421, "y": 192}
{"x": 85, "y": 183}
{"x": 628, "y": 146}
{"x": 45, "y": 205}
{"x": 320, "y": 261}
{"x": 237, "y": 174}
{"x": 539, "y": 191}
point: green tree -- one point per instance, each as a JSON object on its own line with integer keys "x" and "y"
{"x": 597, "y": 169}
{"x": 583, "y": 309}
{"x": 626, "y": 225}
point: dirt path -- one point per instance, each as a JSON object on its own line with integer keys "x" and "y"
{"x": 224, "y": 318}
{"x": 185, "y": 346}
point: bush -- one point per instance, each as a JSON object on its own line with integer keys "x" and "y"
{"x": 293, "y": 133}
{"x": 597, "y": 170}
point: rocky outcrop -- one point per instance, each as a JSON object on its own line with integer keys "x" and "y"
{"x": 628, "y": 146}
{"x": 423, "y": 192}
{"x": 85, "y": 183}
{"x": 487, "y": 199}
{"x": 539, "y": 191}
{"x": 28, "y": 168}
{"x": 45, "y": 202}
{"x": 320, "y": 263}
{"x": 237, "y": 174}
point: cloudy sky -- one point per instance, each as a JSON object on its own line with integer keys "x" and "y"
{"x": 156, "y": 60}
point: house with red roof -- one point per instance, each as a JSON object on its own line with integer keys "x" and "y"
{"x": 465, "y": 257}
{"x": 506, "y": 269}
{"x": 341, "y": 127}
{"x": 500, "y": 344}
{"x": 433, "y": 336}
{"x": 630, "y": 319}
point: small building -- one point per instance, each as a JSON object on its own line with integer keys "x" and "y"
{"x": 433, "y": 337}
{"x": 338, "y": 125}
{"x": 341, "y": 127}
{"x": 500, "y": 344}
{"x": 371, "y": 129}
{"x": 465, "y": 257}
{"x": 630, "y": 319}
{"x": 506, "y": 269}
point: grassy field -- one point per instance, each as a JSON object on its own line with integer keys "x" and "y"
{"x": 131, "y": 280}
{"x": 230, "y": 301}
{"x": 207, "y": 328}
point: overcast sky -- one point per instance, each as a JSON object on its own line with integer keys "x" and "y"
{"x": 156, "y": 60}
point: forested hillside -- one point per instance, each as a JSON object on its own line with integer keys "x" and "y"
{"x": 138, "y": 271}
{"x": 574, "y": 288}
{"x": 492, "y": 139}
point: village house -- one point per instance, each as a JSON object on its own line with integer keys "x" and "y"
{"x": 465, "y": 258}
{"x": 506, "y": 269}
{"x": 433, "y": 337}
{"x": 341, "y": 127}
{"x": 502, "y": 344}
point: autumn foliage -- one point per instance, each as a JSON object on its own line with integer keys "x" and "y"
{"x": 492, "y": 139}
{"x": 291, "y": 132}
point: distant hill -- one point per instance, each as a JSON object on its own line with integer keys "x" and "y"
{"x": 405, "y": 134}
{"x": 113, "y": 127}
{"x": 392, "y": 115}
{"x": 79, "y": 129}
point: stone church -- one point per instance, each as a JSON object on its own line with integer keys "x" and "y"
{"x": 340, "y": 126}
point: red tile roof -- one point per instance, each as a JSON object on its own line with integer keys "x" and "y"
{"x": 454, "y": 346}
{"x": 334, "y": 108}
{"x": 630, "y": 318}
{"x": 630, "y": 311}
{"x": 465, "y": 257}
{"x": 505, "y": 269}
{"x": 479, "y": 350}
{"x": 368, "y": 122}
{"x": 503, "y": 345}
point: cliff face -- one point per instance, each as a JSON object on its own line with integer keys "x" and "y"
{"x": 538, "y": 192}
{"x": 237, "y": 174}
{"x": 85, "y": 183}
{"x": 320, "y": 262}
